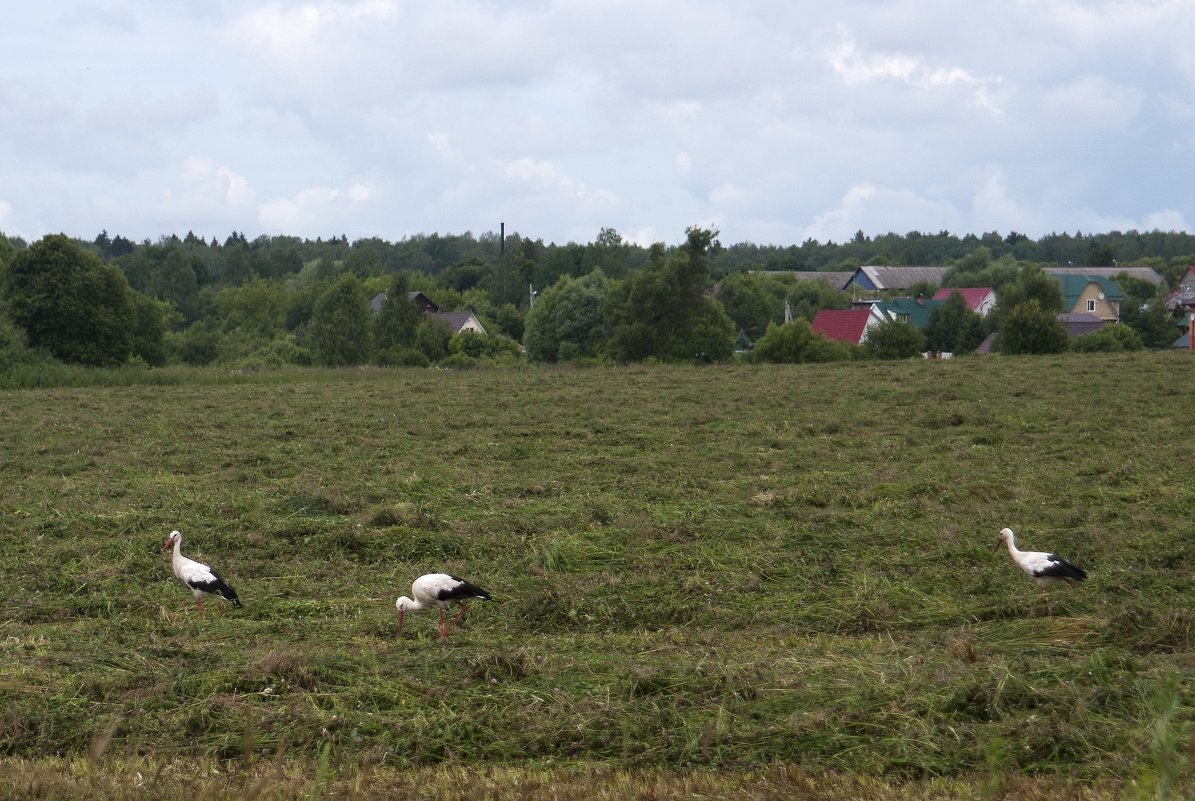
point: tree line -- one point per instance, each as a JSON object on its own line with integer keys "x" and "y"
{"x": 283, "y": 300}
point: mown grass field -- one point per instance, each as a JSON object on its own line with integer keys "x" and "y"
{"x": 740, "y": 582}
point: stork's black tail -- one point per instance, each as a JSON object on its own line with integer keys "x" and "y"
{"x": 466, "y": 590}
{"x": 1065, "y": 570}
{"x": 225, "y": 591}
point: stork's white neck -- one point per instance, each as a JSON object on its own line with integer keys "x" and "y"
{"x": 405, "y": 604}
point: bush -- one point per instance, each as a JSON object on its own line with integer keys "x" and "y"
{"x": 795, "y": 342}
{"x": 1029, "y": 328}
{"x": 894, "y": 339}
{"x": 1112, "y": 338}
{"x": 459, "y": 361}
{"x": 401, "y": 357}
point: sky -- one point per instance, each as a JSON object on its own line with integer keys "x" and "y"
{"x": 773, "y": 122}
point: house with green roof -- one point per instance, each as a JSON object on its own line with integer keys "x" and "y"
{"x": 1090, "y": 294}
{"x": 913, "y": 310}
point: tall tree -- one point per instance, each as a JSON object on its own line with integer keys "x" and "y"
{"x": 661, "y": 310}
{"x": 340, "y": 323}
{"x": 71, "y": 303}
{"x": 396, "y": 321}
{"x": 953, "y": 328}
{"x": 1031, "y": 283}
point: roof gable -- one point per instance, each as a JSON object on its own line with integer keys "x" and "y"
{"x": 460, "y": 321}
{"x": 844, "y": 325}
{"x": 1073, "y": 286}
{"x": 973, "y": 296}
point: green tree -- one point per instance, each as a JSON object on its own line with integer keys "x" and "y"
{"x": 339, "y": 329}
{"x": 807, "y": 297}
{"x": 71, "y": 303}
{"x": 977, "y": 269}
{"x": 150, "y": 320}
{"x": 1028, "y": 328}
{"x": 432, "y": 338}
{"x": 14, "y": 348}
{"x": 894, "y": 339}
{"x": 748, "y": 299}
{"x": 1031, "y": 283}
{"x": 1152, "y": 321}
{"x": 7, "y": 253}
{"x": 566, "y": 321}
{"x": 661, "y": 310}
{"x": 395, "y": 323}
{"x": 953, "y": 328}
{"x": 258, "y": 306}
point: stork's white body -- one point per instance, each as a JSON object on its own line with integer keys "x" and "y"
{"x": 199, "y": 578}
{"x": 440, "y": 590}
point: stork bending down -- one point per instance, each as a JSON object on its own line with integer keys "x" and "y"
{"x": 438, "y": 589}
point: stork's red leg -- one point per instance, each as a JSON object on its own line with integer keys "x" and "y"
{"x": 443, "y": 625}
{"x": 461, "y": 612}
{"x": 199, "y": 604}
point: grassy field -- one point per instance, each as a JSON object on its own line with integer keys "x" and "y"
{"x": 740, "y": 582}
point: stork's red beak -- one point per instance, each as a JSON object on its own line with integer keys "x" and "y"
{"x": 996, "y": 547}
{"x": 166, "y": 545}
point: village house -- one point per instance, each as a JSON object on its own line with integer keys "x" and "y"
{"x": 458, "y": 321}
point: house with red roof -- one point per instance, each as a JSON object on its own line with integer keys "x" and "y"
{"x": 846, "y": 325}
{"x": 980, "y": 299}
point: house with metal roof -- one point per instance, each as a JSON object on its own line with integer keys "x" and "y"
{"x": 1148, "y": 274}
{"x": 877, "y": 278}
{"x": 910, "y": 310}
{"x": 1090, "y": 294}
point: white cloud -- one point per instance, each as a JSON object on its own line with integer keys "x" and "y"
{"x": 214, "y": 183}
{"x": 993, "y": 209}
{"x": 782, "y": 120}
{"x": 311, "y": 206}
{"x": 1092, "y": 102}
{"x": 291, "y": 35}
{"x": 728, "y": 195}
{"x": 876, "y": 210}
{"x": 684, "y": 164}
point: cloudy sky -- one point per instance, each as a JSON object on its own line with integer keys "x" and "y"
{"x": 773, "y": 121}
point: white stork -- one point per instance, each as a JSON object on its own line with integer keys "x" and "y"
{"x": 199, "y": 577}
{"x": 438, "y": 589}
{"x": 1044, "y": 568}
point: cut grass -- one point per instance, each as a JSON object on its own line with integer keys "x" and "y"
{"x": 694, "y": 570}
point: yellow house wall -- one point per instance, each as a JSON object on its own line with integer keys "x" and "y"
{"x": 1104, "y": 309}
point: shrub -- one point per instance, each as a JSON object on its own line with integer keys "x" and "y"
{"x": 1112, "y": 338}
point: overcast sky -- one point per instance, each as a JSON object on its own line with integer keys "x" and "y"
{"x": 774, "y": 122}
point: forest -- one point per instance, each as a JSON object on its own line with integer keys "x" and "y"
{"x": 281, "y": 300}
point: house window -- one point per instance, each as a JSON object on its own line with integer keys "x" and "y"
{"x": 1091, "y": 305}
